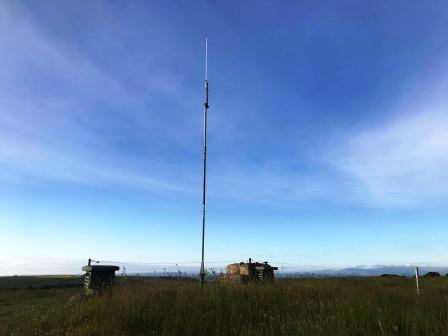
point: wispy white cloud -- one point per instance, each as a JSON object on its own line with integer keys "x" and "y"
{"x": 31, "y": 51}
{"x": 28, "y": 52}
{"x": 402, "y": 163}
{"x": 267, "y": 184}
{"x": 34, "y": 157}
{"x": 52, "y": 134}
{"x": 49, "y": 115}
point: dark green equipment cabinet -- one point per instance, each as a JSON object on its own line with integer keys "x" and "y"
{"x": 99, "y": 277}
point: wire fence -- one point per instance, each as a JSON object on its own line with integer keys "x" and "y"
{"x": 215, "y": 268}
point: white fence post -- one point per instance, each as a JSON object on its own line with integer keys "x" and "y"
{"x": 416, "y": 280}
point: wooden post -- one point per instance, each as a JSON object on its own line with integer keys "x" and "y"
{"x": 249, "y": 268}
{"x": 416, "y": 280}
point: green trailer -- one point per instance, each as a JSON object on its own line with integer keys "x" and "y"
{"x": 98, "y": 277}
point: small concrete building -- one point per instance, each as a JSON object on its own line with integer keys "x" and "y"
{"x": 249, "y": 272}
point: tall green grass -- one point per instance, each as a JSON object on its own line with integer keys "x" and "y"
{"x": 338, "y": 306}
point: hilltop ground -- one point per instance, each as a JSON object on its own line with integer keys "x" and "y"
{"x": 336, "y": 306}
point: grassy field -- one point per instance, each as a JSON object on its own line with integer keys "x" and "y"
{"x": 24, "y": 297}
{"x": 336, "y": 306}
{"x": 39, "y": 282}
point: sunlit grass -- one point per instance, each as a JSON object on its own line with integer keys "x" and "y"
{"x": 354, "y": 306}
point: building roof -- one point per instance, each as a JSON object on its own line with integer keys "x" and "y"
{"x": 100, "y": 268}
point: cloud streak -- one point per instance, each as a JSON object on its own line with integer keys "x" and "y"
{"x": 402, "y": 163}
{"x": 50, "y": 125}
{"x": 60, "y": 133}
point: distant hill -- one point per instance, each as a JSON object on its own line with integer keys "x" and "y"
{"x": 383, "y": 269}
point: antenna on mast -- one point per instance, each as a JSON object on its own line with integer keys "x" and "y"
{"x": 206, "y": 106}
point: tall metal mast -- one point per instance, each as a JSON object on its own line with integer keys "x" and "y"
{"x": 206, "y": 106}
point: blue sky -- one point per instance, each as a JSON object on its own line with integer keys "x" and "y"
{"x": 328, "y": 141}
